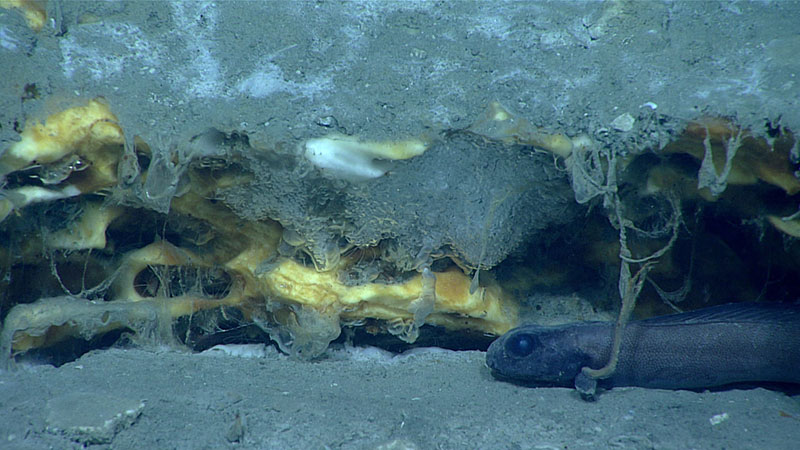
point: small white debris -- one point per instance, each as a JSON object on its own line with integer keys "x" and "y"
{"x": 650, "y": 105}
{"x": 7, "y": 41}
{"x": 623, "y": 122}
{"x": 717, "y": 419}
{"x": 238, "y": 350}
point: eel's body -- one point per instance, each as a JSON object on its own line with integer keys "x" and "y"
{"x": 745, "y": 342}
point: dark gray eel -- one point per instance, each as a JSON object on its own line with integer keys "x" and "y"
{"x": 733, "y": 343}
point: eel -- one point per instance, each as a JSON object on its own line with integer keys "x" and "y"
{"x": 705, "y": 348}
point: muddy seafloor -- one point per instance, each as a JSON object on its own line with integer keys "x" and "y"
{"x": 365, "y": 399}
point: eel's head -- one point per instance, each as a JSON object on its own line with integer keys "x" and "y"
{"x": 537, "y": 355}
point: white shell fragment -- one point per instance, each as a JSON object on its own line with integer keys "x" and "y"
{"x": 351, "y": 159}
{"x": 623, "y": 122}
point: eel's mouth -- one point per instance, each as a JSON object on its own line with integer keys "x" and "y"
{"x": 524, "y": 382}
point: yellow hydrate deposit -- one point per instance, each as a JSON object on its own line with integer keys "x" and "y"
{"x": 73, "y": 152}
{"x": 32, "y": 10}
{"x": 221, "y": 264}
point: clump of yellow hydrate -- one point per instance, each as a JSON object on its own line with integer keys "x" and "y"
{"x": 32, "y": 10}
{"x": 86, "y": 128}
{"x": 72, "y": 152}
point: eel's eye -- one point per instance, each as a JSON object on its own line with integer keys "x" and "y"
{"x": 520, "y": 345}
